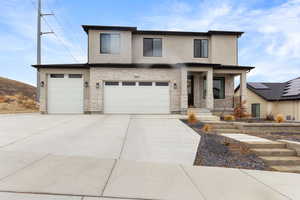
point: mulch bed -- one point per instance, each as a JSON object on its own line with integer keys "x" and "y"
{"x": 214, "y": 151}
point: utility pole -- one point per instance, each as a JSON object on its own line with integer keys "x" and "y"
{"x": 39, "y": 17}
{"x": 39, "y": 38}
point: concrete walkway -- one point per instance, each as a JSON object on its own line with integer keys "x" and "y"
{"x": 50, "y": 177}
{"x": 140, "y": 138}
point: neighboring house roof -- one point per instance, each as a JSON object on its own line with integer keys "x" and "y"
{"x": 143, "y": 65}
{"x": 289, "y": 90}
{"x": 160, "y": 32}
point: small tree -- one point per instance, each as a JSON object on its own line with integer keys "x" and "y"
{"x": 207, "y": 128}
{"x": 192, "y": 118}
{"x": 240, "y": 110}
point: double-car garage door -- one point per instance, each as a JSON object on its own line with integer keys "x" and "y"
{"x": 142, "y": 97}
{"x": 66, "y": 95}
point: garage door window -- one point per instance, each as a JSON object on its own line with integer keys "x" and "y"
{"x": 161, "y": 83}
{"x": 145, "y": 83}
{"x": 111, "y": 83}
{"x": 57, "y": 75}
{"x": 75, "y": 75}
{"x": 128, "y": 83}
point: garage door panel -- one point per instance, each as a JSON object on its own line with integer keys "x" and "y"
{"x": 65, "y": 95}
{"x": 137, "y": 99}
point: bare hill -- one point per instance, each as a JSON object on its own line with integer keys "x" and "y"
{"x": 12, "y": 87}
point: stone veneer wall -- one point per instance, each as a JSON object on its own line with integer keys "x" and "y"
{"x": 100, "y": 75}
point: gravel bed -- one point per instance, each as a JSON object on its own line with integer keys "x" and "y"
{"x": 212, "y": 151}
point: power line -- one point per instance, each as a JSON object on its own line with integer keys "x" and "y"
{"x": 61, "y": 26}
{"x": 55, "y": 34}
{"x": 60, "y": 40}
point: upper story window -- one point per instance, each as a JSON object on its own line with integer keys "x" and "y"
{"x": 109, "y": 43}
{"x": 152, "y": 47}
{"x": 200, "y": 48}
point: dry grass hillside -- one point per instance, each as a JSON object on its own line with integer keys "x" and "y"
{"x": 17, "y": 97}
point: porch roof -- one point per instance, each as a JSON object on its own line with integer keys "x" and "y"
{"x": 143, "y": 65}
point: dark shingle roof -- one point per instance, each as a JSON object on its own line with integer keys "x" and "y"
{"x": 160, "y": 32}
{"x": 144, "y": 65}
{"x": 274, "y": 92}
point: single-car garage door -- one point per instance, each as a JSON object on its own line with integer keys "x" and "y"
{"x": 137, "y": 97}
{"x": 65, "y": 93}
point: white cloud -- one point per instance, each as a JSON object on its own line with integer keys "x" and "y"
{"x": 271, "y": 42}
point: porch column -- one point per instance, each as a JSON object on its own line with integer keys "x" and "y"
{"x": 243, "y": 86}
{"x": 197, "y": 90}
{"x": 209, "y": 90}
{"x": 183, "y": 95}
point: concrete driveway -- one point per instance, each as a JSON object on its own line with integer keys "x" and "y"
{"x": 97, "y": 157}
{"x": 155, "y": 138}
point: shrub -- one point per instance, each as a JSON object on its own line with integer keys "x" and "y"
{"x": 270, "y": 117}
{"x": 192, "y": 118}
{"x": 229, "y": 118}
{"x": 6, "y": 99}
{"x": 207, "y": 128}
{"x": 2, "y": 99}
{"x": 4, "y": 107}
{"x": 240, "y": 111}
{"x": 29, "y": 104}
{"x": 279, "y": 118}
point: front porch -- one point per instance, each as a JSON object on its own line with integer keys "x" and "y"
{"x": 209, "y": 89}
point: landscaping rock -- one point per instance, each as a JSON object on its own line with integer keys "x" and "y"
{"x": 214, "y": 150}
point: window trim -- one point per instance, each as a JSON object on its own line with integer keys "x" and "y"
{"x": 161, "y": 52}
{"x": 201, "y": 48}
{"x": 110, "y": 52}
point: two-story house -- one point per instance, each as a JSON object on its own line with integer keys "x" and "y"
{"x": 146, "y": 72}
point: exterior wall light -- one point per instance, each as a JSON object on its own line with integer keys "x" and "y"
{"x": 97, "y": 85}
{"x": 175, "y": 86}
{"x": 42, "y": 84}
{"x": 86, "y": 84}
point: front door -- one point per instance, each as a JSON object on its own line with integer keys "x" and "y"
{"x": 190, "y": 89}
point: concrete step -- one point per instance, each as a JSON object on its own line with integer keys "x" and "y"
{"x": 199, "y": 110}
{"x": 291, "y": 169}
{"x": 208, "y": 118}
{"x": 281, "y": 160}
{"x": 227, "y": 130}
{"x": 223, "y": 126}
{"x": 266, "y": 145}
{"x": 274, "y": 152}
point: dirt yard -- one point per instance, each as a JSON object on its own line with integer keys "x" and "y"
{"x": 17, "y": 104}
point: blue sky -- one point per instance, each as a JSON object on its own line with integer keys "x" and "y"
{"x": 271, "y": 41}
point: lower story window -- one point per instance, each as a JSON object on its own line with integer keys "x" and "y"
{"x": 255, "y": 110}
{"x": 218, "y": 88}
